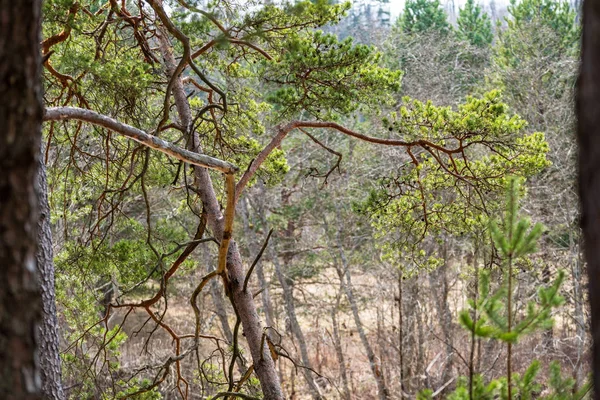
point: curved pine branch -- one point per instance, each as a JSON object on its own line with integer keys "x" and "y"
{"x": 81, "y": 114}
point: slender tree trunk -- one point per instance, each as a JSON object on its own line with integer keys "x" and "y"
{"x": 548, "y": 334}
{"x": 20, "y": 136}
{"x": 220, "y": 309}
{"x": 346, "y": 282}
{"x": 576, "y": 274}
{"x": 400, "y": 335}
{"x": 337, "y": 343}
{"x": 265, "y": 293}
{"x": 474, "y": 316}
{"x": 216, "y": 295}
{"x": 588, "y": 134}
{"x": 439, "y": 283}
{"x": 290, "y": 310}
{"x": 49, "y": 339}
{"x": 419, "y": 312}
{"x": 382, "y": 346}
{"x": 509, "y": 328}
{"x": 264, "y": 366}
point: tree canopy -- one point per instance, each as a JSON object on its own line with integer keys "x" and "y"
{"x": 262, "y": 200}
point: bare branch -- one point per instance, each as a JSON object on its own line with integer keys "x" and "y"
{"x": 258, "y": 256}
{"x": 283, "y": 130}
{"x": 81, "y": 114}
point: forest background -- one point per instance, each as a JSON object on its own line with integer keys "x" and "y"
{"x": 366, "y": 232}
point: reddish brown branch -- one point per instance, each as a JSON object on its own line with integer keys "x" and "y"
{"x": 284, "y": 130}
{"x": 64, "y": 34}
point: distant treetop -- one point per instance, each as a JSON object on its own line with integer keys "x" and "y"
{"x": 557, "y": 15}
{"x": 423, "y": 15}
{"x": 474, "y": 25}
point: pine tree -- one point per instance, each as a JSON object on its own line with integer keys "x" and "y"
{"x": 542, "y": 30}
{"x": 491, "y": 316}
{"x": 474, "y": 25}
{"x": 555, "y": 14}
{"x": 496, "y": 317}
{"x": 423, "y": 15}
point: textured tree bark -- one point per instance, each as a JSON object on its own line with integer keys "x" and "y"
{"x": 48, "y": 339}
{"x": 20, "y": 136}
{"x": 264, "y": 366}
{"x": 588, "y": 134}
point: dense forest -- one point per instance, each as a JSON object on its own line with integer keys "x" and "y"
{"x": 310, "y": 199}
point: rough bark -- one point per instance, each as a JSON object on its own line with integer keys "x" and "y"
{"x": 20, "y": 136}
{"x": 264, "y": 366}
{"x": 588, "y": 134}
{"x": 48, "y": 339}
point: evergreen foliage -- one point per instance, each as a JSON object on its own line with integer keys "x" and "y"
{"x": 123, "y": 213}
{"x": 514, "y": 238}
{"x": 421, "y": 199}
{"x": 542, "y": 29}
{"x": 555, "y": 14}
{"x": 423, "y": 15}
{"x": 474, "y": 25}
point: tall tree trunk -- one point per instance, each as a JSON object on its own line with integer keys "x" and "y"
{"x": 290, "y": 310}
{"x": 20, "y": 136}
{"x": 346, "y": 282}
{"x": 264, "y": 366}
{"x": 420, "y": 334}
{"x": 48, "y": 342}
{"x": 265, "y": 293}
{"x": 588, "y": 134}
{"x": 337, "y": 343}
{"x": 400, "y": 335}
{"x": 439, "y": 283}
{"x": 216, "y": 294}
{"x": 220, "y": 309}
{"x": 578, "y": 299}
